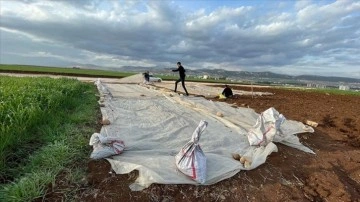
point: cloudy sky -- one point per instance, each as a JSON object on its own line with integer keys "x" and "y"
{"x": 291, "y": 37}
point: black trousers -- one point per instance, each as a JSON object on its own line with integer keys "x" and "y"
{"x": 182, "y": 79}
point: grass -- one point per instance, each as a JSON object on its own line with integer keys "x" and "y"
{"x": 62, "y": 71}
{"x": 45, "y": 125}
{"x": 337, "y": 91}
{"x": 333, "y": 91}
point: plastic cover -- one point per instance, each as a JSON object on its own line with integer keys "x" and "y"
{"x": 154, "y": 124}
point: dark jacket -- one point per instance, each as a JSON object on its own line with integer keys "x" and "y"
{"x": 147, "y": 76}
{"x": 181, "y": 71}
{"x": 227, "y": 92}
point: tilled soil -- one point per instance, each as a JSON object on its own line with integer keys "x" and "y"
{"x": 333, "y": 174}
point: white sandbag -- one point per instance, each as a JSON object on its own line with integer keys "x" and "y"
{"x": 105, "y": 146}
{"x": 191, "y": 160}
{"x": 266, "y": 127}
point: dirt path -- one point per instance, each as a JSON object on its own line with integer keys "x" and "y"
{"x": 333, "y": 174}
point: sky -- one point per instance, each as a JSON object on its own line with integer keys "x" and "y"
{"x": 288, "y": 37}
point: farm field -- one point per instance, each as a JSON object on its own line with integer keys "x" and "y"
{"x": 333, "y": 174}
{"x": 26, "y": 69}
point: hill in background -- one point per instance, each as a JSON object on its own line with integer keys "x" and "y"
{"x": 241, "y": 75}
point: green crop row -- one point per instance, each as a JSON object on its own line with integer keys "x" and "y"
{"x": 62, "y": 71}
{"x": 25, "y": 104}
{"x": 44, "y": 124}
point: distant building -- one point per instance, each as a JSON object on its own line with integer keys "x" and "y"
{"x": 205, "y": 76}
{"x": 344, "y": 87}
{"x": 315, "y": 85}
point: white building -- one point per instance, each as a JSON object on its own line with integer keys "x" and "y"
{"x": 315, "y": 85}
{"x": 344, "y": 87}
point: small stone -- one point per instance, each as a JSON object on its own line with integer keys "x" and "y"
{"x": 105, "y": 122}
{"x": 242, "y": 160}
{"x": 219, "y": 114}
{"x": 236, "y": 156}
{"x": 247, "y": 164}
{"x": 311, "y": 123}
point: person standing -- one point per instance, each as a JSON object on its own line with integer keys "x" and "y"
{"x": 181, "y": 71}
{"x": 147, "y": 77}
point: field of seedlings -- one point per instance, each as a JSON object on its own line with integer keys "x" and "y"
{"x": 44, "y": 127}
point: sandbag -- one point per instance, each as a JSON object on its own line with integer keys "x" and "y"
{"x": 191, "y": 160}
{"x": 105, "y": 146}
{"x": 266, "y": 127}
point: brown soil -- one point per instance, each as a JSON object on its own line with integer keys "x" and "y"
{"x": 333, "y": 174}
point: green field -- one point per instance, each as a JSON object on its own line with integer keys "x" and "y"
{"x": 62, "y": 71}
{"x": 45, "y": 125}
{"x": 325, "y": 90}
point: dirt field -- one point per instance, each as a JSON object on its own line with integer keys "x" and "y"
{"x": 333, "y": 174}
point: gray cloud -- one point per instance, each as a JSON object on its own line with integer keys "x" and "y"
{"x": 308, "y": 38}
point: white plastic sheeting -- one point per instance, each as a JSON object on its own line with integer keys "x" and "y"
{"x": 156, "y": 124}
